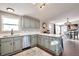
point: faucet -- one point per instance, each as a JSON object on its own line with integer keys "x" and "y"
{"x": 11, "y": 31}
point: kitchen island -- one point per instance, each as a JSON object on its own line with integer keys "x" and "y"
{"x": 10, "y": 44}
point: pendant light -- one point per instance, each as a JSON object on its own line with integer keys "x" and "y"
{"x": 67, "y": 23}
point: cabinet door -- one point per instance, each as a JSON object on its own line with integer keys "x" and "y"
{"x": 52, "y": 47}
{"x": 32, "y": 22}
{"x": 37, "y": 24}
{"x": 46, "y": 42}
{"x": 39, "y": 40}
{"x": 55, "y": 46}
{"x": 26, "y": 22}
{"x": 33, "y": 40}
{"x": 17, "y": 43}
{"x": 6, "y": 46}
{"x": 59, "y": 47}
{"x": 42, "y": 41}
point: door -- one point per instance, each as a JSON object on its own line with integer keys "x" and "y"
{"x": 33, "y": 40}
{"x": 6, "y": 46}
{"x": 42, "y": 41}
{"x": 26, "y": 22}
{"x": 32, "y": 22}
{"x": 17, "y": 43}
{"x": 39, "y": 40}
{"x": 46, "y": 42}
{"x": 37, "y": 24}
{"x": 52, "y": 45}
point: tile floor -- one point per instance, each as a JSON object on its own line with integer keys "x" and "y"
{"x": 33, "y": 52}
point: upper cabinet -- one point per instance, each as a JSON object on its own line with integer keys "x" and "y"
{"x": 29, "y": 22}
{"x": 25, "y": 22}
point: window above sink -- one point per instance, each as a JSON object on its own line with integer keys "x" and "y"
{"x": 10, "y": 23}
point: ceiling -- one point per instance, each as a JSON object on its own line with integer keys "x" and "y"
{"x": 51, "y": 10}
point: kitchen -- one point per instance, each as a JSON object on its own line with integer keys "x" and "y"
{"x": 24, "y": 26}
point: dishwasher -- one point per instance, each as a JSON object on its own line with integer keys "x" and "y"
{"x": 26, "y": 41}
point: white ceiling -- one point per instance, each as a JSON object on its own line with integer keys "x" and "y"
{"x": 49, "y": 11}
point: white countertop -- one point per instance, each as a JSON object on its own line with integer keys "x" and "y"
{"x": 27, "y": 33}
{"x": 52, "y": 35}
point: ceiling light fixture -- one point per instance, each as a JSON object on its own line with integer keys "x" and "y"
{"x": 40, "y": 5}
{"x": 67, "y": 23}
{"x": 10, "y": 9}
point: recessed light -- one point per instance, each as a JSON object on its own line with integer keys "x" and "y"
{"x": 10, "y": 9}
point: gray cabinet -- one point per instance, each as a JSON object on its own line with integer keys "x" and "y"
{"x": 33, "y": 40}
{"x": 59, "y": 47}
{"x": 29, "y": 23}
{"x": 32, "y": 23}
{"x": 37, "y": 24}
{"x": 52, "y": 47}
{"x": 42, "y": 41}
{"x": 26, "y": 23}
{"x": 17, "y": 42}
{"x": 6, "y": 46}
{"x": 56, "y": 46}
{"x": 10, "y": 45}
{"x": 47, "y": 42}
{"x": 39, "y": 40}
{"x": 51, "y": 43}
{"x": 14, "y": 44}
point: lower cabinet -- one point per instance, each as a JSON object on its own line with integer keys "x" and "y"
{"x": 51, "y": 43}
{"x": 14, "y": 44}
{"x": 52, "y": 46}
{"x": 10, "y": 45}
{"x": 6, "y": 46}
{"x": 42, "y": 41}
{"x": 55, "y": 46}
{"x": 17, "y": 42}
{"x": 33, "y": 40}
{"x": 47, "y": 42}
{"x": 39, "y": 40}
